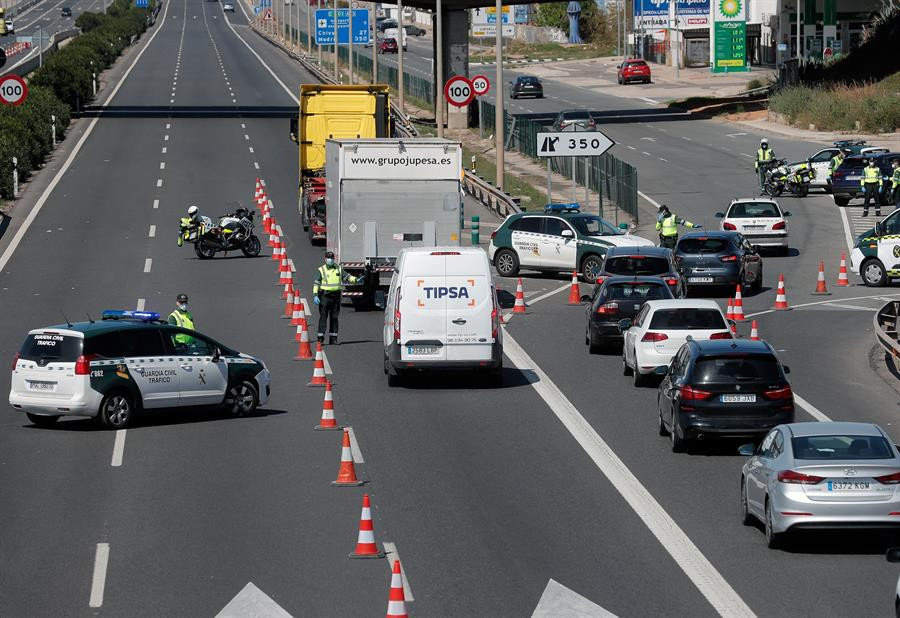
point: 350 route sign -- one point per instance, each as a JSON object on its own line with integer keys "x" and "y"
{"x": 573, "y": 144}
{"x": 480, "y": 85}
{"x": 13, "y": 90}
{"x": 458, "y": 91}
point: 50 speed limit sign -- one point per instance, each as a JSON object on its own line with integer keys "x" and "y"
{"x": 458, "y": 91}
{"x": 480, "y": 85}
{"x": 13, "y": 90}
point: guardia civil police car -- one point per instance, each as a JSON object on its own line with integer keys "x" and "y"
{"x": 876, "y": 256}
{"x": 560, "y": 239}
{"x": 128, "y": 360}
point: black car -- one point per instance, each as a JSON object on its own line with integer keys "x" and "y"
{"x": 719, "y": 259}
{"x": 723, "y": 388}
{"x": 643, "y": 261}
{"x": 845, "y": 182}
{"x": 384, "y": 24}
{"x": 581, "y": 118}
{"x": 615, "y": 299}
{"x": 66, "y": 12}
{"x": 526, "y": 86}
{"x": 413, "y": 30}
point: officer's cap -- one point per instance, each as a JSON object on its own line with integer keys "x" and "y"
{"x": 182, "y": 298}
{"x": 329, "y": 254}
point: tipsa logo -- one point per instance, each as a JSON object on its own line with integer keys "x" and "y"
{"x": 446, "y": 292}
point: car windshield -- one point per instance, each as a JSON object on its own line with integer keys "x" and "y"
{"x": 702, "y": 245}
{"x": 852, "y": 163}
{"x": 841, "y": 447}
{"x": 746, "y": 210}
{"x": 687, "y": 319}
{"x": 636, "y": 265}
{"x": 51, "y": 347}
{"x": 594, "y": 226}
{"x": 528, "y": 80}
{"x": 637, "y": 291}
{"x": 733, "y": 368}
{"x": 639, "y": 63}
{"x": 576, "y": 115}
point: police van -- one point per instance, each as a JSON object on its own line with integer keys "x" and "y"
{"x": 442, "y": 313}
{"x": 876, "y": 256}
{"x": 129, "y": 360}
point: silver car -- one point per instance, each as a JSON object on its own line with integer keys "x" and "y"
{"x": 821, "y": 475}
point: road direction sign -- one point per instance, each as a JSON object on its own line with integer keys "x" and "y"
{"x": 458, "y": 91}
{"x": 480, "y": 85}
{"x": 573, "y": 144}
{"x": 13, "y": 90}
{"x": 325, "y": 26}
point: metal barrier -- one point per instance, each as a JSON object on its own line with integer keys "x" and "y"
{"x": 489, "y": 195}
{"x": 24, "y": 67}
{"x": 885, "y": 323}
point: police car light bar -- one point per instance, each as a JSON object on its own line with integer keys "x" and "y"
{"x": 570, "y": 207}
{"x": 119, "y": 314}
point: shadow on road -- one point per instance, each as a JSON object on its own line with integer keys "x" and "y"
{"x": 157, "y": 418}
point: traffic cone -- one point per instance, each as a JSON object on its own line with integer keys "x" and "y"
{"x": 842, "y": 274}
{"x": 288, "y": 289}
{"x": 396, "y": 598}
{"x": 266, "y": 221}
{"x": 781, "y": 303}
{"x": 365, "y": 543}
{"x": 574, "y": 292}
{"x": 297, "y": 315}
{"x": 277, "y": 247}
{"x": 738, "y": 306}
{"x": 754, "y": 331}
{"x": 284, "y": 278}
{"x": 729, "y": 313}
{"x": 347, "y": 471}
{"x": 257, "y": 191}
{"x": 318, "y": 376}
{"x": 327, "y": 422}
{"x": 303, "y": 350}
{"x": 519, "y": 307}
{"x": 821, "y": 290}
{"x": 288, "y": 307}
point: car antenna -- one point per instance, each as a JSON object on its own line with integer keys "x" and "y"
{"x": 90, "y": 319}
{"x": 68, "y": 323}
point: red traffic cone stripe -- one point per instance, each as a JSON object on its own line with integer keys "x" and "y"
{"x": 328, "y": 422}
{"x": 396, "y": 598}
{"x": 519, "y": 307}
{"x": 365, "y": 544}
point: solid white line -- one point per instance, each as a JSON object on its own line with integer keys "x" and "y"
{"x": 649, "y": 100}
{"x": 724, "y": 599}
{"x": 118, "y": 448}
{"x": 147, "y": 264}
{"x": 354, "y": 447}
{"x": 855, "y": 307}
{"x": 159, "y": 182}
{"x": 152, "y": 231}
{"x": 819, "y": 302}
{"x": 649, "y": 199}
{"x": 326, "y": 363}
{"x": 155, "y": 203}
{"x": 810, "y": 408}
{"x": 392, "y": 554}
{"x": 98, "y": 582}
{"x": 848, "y": 237}
{"x": 531, "y": 301}
{"x": 141, "y": 303}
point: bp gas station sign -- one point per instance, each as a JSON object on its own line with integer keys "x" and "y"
{"x": 730, "y": 36}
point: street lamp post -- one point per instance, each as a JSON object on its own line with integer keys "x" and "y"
{"x": 498, "y": 109}
{"x": 374, "y": 41}
{"x": 400, "y": 53}
{"x": 439, "y": 73}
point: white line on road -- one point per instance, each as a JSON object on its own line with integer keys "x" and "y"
{"x": 630, "y": 147}
{"x": 118, "y": 447}
{"x": 649, "y": 139}
{"x": 561, "y": 288}
{"x": 256, "y": 165}
{"x": 686, "y": 138}
{"x": 847, "y": 235}
{"x": 162, "y": 165}
{"x": 155, "y": 203}
{"x": 732, "y": 135}
{"x": 166, "y": 138}
{"x": 813, "y": 410}
{"x": 744, "y": 154}
{"x": 159, "y": 182}
{"x": 326, "y": 363}
{"x": 152, "y": 231}
{"x": 661, "y": 159}
{"x": 168, "y": 125}
{"x": 645, "y": 152}
{"x": 164, "y": 150}
{"x": 141, "y": 303}
{"x": 246, "y": 137}
{"x": 147, "y": 264}
{"x": 354, "y": 447}
{"x": 251, "y": 148}
{"x": 647, "y": 99}
{"x": 649, "y": 199}
{"x": 688, "y": 556}
{"x": 855, "y": 307}
{"x": 818, "y": 302}
{"x": 98, "y": 581}
{"x": 392, "y": 554}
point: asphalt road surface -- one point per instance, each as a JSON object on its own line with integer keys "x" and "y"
{"x": 485, "y": 493}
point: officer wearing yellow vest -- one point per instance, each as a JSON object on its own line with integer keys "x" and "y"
{"x": 871, "y": 183}
{"x": 183, "y": 318}
{"x": 327, "y": 295}
{"x": 667, "y": 226}
{"x": 836, "y": 161}
{"x": 764, "y": 156}
{"x": 895, "y": 182}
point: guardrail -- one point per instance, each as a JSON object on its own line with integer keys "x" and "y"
{"x": 489, "y": 195}
{"x": 885, "y": 323}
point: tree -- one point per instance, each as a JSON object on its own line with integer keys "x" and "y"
{"x": 553, "y": 15}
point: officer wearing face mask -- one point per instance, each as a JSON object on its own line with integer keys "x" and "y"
{"x": 183, "y": 318}
{"x": 327, "y": 295}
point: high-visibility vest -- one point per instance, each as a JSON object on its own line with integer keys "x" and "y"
{"x": 764, "y": 154}
{"x": 835, "y": 163}
{"x": 329, "y": 279}
{"x": 184, "y": 319}
{"x": 871, "y": 175}
{"x": 895, "y": 178}
{"x": 669, "y": 226}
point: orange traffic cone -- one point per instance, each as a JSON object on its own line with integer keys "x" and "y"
{"x": 365, "y": 543}
{"x": 304, "y": 352}
{"x": 574, "y": 292}
{"x": 396, "y": 598}
{"x": 519, "y": 307}
{"x": 318, "y": 376}
{"x": 347, "y": 471}
{"x": 297, "y": 315}
{"x": 842, "y": 274}
{"x": 288, "y": 307}
{"x": 327, "y": 422}
{"x": 288, "y": 289}
{"x": 277, "y": 247}
{"x": 821, "y": 290}
{"x": 781, "y": 303}
{"x": 729, "y": 313}
{"x": 284, "y": 273}
{"x": 738, "y": 306}
{"x": 754, "y": 331}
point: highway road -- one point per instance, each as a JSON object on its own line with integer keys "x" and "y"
{"x": 485, "y": 493}
{"x": 45, "y": 19}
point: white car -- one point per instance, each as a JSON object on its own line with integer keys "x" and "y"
{"x": 228, "y": 7}
{"x": 760, "y": 220}
{"x": 893, "y": 555}
{"x": 662, "y": 326}
{"x": 10, "y": 27}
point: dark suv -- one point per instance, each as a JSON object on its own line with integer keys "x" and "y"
{"x": 643, "y": 261}
{"x": 845, "y": 182}
{"x": 718, "y": 259}
{"x": 615, "y": 299}
{"x": 723, "y": 388}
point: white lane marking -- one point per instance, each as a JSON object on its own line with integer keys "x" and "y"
{"x": 688, "y": 556}
{"x": 649, "y": 139}
{"x": 141, "y": 303}
{"x": 243, "y": 126}
{"x": 847, "y": 235}
{"x": 155, "y": 203}
{"x": 251, "y": 148}
{"x": 119, "y": 446}
{"x": 246, "y": 137}
{"x": 147, "y": 264}
{"x": 326, "y": 363}
{"x": 392, "y": 554}
{"x": 732, "y": 135}
{"x": 152, "y": 231}
{"x": 166, "y": 138}
{"x": 562, "y": 288}
{"x": 164, "y": 150}
{"x": 98, "y": 581}
{"x": 645, "y": 152}
{"x": 661, "y": 159}
{"x": 630, "y": 147}
{"x": 168, "y": 125}
{"x": 354, "y": 447}
{"x": 856, "y": 307}
{"x": 649, "y": 100}
{"x": 811, "y": 409}
{"x": 744, "y": 154}
{"x": 162, "y": 165}
{"x": 159, "y": 182}
{"x": 649, "y": 199}
{"x": 20, "y": 233}
{"x": 686, "y": 138}
{"x": 256, "y": 165}
{"x": 819, "y": 302}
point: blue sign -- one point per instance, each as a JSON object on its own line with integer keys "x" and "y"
{"x": 655, "y": 13}
{"x": 142, "y": 4}
{"x": 325, "y": 26}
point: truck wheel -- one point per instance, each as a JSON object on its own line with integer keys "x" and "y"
{"x": 507, "y": 263}
{"x": 873, "y": 273}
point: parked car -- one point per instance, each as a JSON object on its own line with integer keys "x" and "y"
{"x": 526, "y": 86}
{"x": 760, "y": 220}
{"x": 228, "y": 7}
{"x": 642, "y": 261}
{"x": 66, "y": 12}
{"x": 580, "y": 117}
{"x": 387, "y": 46}
{"x": 10, "y": 27}
{"x": 634, "y": 71}
{"x": 875, "y": 255}
{"x": 845, "y": 185}
{"x": 719, "y": 259}
{"x": 615, "y": 299}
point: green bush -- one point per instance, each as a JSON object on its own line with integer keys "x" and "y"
{"x": 87, "y": 21}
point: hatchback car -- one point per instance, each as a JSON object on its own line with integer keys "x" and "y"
{"x": 636, "y": 261}
{"x": 228, "y": 7}
{"x": 66, "y": 12}
{"x": 387, "y": 46}
{"x": 845, "y": 182}
{"x": 526, "y": 86}
{"x": 718, "y": 259}
{"x": 615, "y": 299}
{"x": 581, "y": 118}
{"x": 761, "y": 221}
{"x": 10, "y": 27}
{"x": 821, "y": 475}
{"x": 128, "y": 360}
{"x": 634, "y": 71}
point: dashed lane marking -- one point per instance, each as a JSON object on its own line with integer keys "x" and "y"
{"x": 164, "y": 150}
{"x": 165, "y": 138}
{"x": 159, "y": 182}
{"x": 744, "y": 154}
{"x": 152, "y": 231}
{"x": 148, "y": 263}
{"x": 162, "y": 165}
{"x": 823, "y": 302}
{"x": 155, "y": 204}
{"x": 118, "y": 449}
{"x": 256, "y": 165}
{"x": 98, "y": 581}
{"x": 251, "y": 148}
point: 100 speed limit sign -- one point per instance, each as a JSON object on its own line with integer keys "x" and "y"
{"x": 458, "y": 91}
{"x": 13, "y": 90}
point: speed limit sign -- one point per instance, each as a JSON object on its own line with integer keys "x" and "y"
{"x": 458, "y": 91}
{"x": 13, "y": 89}
{"x": 480, "y": 85}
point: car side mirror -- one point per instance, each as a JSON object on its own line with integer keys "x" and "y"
{"x": 786, "y": 369}
{"x": 786, "y": 213}
{"x": 879, "y": 229}
{"x": 618, "y": 66}
{"x": 295, "y": 129}
{"x": 585, "y": 298}
{"x": 623, "y": 226}
{"x": 625, "y": 324}
{"x": 661, "y": 370}
{"x": 746, "y": 450}
{"x": 568, "y": 234}
{"x": 217, "y": 354}
{"x": 720, "y": 215}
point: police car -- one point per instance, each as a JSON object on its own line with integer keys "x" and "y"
{"x": 560, "y": 239}
{"x": 128, "y": 360}
{"x": 876, "y": 256}
{"x": 821, "y": 161}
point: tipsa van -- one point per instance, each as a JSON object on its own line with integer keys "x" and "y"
{"x": 442, "y": 313}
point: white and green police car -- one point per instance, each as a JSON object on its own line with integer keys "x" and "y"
{"x": 126, "y": 361}
{"x": 876, "y": 256}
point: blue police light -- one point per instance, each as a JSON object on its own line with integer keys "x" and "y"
{"x": 119, "y": 314}
{"x": 570, "y": 207}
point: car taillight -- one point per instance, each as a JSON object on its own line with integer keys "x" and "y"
{"x": 689, "y": 393}
{"x": 789, "y": 476}
{"x": 608, "y": 309}
{"x": 599, "y": 280}
{"x": 83, "y": 365}
{"x": 779, "y": 226}
{"x": 780, "y": 393}
{"x": 397, "y": 318}
{"x": 654, "y": 337}
{"x": 889, "y": 479}
{"x": 729, "y": 226}
{"x": 493, "y": 234}
{"x": 722, "y": 335}
{"x": 15, "y": 361}
{"x": 728, "y": 258}
{"x": 672, "y": 281}
{"x": 495, "y": 317}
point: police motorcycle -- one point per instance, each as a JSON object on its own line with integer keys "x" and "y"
{"x": 234, "y": 231}
{"x": 782, "y": 177}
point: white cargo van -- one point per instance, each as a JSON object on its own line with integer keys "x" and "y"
{"x": 442, "y": 313}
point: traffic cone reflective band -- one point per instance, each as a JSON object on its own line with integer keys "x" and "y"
{"x": 288, "y": 307}
{"x": 729, "y": 313}
{"x": 257, "y": 191}
{"x": 754, "y": 331}
{"x": 842, "y": 273}
{"x": 284, "y": 278}
{"x": 738, "y": 308}
{"x": 519, "y": 307}
{"x": 821, "y": 290}
{"x": 574, "y": 292}
{"x": 781, "y": 303}
{"x": 297, "y": 311}
{"x": 396, "y": 598}
{"x": 288, "y": 289}
{"x": 304, "y": 352}
{"x": 365, "y": 544}
{"x": 318, "y": 376}
{"x": 327, "y": 422}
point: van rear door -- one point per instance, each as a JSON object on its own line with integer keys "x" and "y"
{"x": 423, "y": 309}
{"x": 469, "y": 306}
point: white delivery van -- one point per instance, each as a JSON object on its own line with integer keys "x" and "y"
{"x": 442, "y": 313}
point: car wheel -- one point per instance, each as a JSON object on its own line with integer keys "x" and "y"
{"x": 41, "y": 421}
{"x": 626, "y": 370}
{"x": 593, "y": 345}
{"x": 662, "y": 426}
{"x": 638, "y": 378}
{"x": 757, "y": 284}
{"x": 241, "y": 399}
{"x": 773, "y": 539}
{"x": 873, "y": 273}
{"x": 678, "y": 443}
{"x": 507, "y": 263}
{"x": 841, "y": 200}
{"x": 746, "y": 517}
{"x": 590, "y": 266}
{"x": 116, "y": 410}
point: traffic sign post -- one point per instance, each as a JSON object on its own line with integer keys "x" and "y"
{"x": 458, "y": 91}
{"x": 13, "y": 90}
{"x": 325, "y": 27}
{"x": 480, "y": 85}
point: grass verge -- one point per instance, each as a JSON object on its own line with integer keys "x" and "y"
{"x": 519, "y": 50}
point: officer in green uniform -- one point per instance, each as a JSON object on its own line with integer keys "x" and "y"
{"x": 327, "y": 295}
{"x": 764, "y": 156}
{"x": 183, "y": 318}
{"x": 667, "y": 226}
{"x": 871, "y": 182}
{"x": 836, "y": 161}
{"x": 895, "y": 182}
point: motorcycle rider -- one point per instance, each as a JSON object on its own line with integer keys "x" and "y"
{"x": 193, "y": 218}
{"x": 667, "y": 226}
{"x": 764, "y": 158}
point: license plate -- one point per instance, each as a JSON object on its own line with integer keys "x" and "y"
{"x": 738, "y": 398}
{"x": 848, "y": 485}
{"x": 754, "y": 227}
{"x": 700, "y": 279}
{"x": 418, "y": 350}
{"x": 42, "y": 386}
{"x": 853, "y": 177}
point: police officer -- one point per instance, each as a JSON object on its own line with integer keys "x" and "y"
{"x": 871, "y": 183}
{"x": 764, "y": 156}
{"x": 183, "y": 318}
{"x": 836, "y": 161}
{"x": 895, "y": 182}
{"x": 327, "y": 294}
{"x": 193, "y": 218}
{"x": 667, "y": 226}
